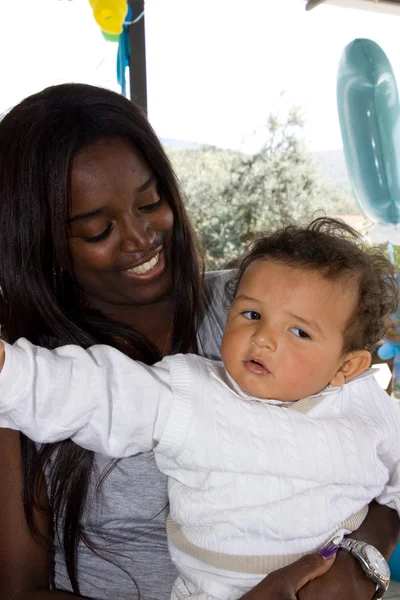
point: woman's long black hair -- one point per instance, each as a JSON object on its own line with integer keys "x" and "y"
{"x": 39, "y": 139}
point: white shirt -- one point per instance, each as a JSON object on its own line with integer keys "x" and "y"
{"x": 252, "y": 484}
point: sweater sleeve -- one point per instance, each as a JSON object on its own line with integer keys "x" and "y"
{"x": 98, "y": 397}
{"x": 388, "y": 414}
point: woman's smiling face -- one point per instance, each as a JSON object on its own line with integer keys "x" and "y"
{"x": 120, "y": 227}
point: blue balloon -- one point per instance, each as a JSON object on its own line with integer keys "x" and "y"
{"x": 394, "y": 564}
{"x": 369, "y": 115}
{"x": 388, "y": 350}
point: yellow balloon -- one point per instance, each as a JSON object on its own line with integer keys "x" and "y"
{"x": 109, "y": 14}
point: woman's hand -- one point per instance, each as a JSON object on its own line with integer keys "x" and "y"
{"x": 285, "y": 583}
{"x": 345, "y": 581}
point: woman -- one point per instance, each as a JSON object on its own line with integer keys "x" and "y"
{"x": 96, "y": 247}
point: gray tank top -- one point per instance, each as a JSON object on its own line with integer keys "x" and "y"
{"x": 126, "y": 519}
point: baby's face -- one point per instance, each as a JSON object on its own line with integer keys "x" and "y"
{"x": 284, "y": 334}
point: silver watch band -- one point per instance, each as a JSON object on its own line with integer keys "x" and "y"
{"x": 350, "y": 545}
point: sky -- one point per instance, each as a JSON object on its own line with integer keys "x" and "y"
{"x": 216, "y": 68}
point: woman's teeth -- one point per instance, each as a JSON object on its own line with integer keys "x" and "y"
{"x": 145, "y": 267}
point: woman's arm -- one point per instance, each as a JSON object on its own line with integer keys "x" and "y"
{"x": 24, "y": 562}
{"x": 100, "y": 398}
{"x": 285, "y": 584}
{"x": 381, "y": 529}
{"x": 310, "y": 579}
{"x": 346, "y": 580}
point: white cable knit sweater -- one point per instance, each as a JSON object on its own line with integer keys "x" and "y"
{"x": 252, "y": 484}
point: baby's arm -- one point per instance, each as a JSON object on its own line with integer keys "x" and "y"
{"x": 100, "y": 398}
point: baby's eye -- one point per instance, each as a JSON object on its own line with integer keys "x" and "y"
{"x": 252, "y": 315}
{"x": 300, "y": 333}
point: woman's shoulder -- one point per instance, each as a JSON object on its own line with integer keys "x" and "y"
{"x": 215, "y": 295}
{"x": 216, "y": 305}
{"x": 215, "y": 282}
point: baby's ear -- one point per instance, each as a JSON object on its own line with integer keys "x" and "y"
{"x": 353, "y": 364}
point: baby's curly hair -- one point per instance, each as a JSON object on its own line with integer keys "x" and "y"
{"x": 336, "y": 250}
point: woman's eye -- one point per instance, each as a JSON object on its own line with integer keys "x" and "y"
{"x": 100, "y": 236}
{"x": 252, "y": 315}
{"x": 148, "y": 208}
{"x": 300, "y": 333}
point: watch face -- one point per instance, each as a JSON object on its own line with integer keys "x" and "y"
{"x": 377, "y": 561}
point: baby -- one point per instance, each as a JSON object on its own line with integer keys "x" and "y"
{"x": 270, "y": 453}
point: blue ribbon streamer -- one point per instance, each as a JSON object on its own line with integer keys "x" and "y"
{"x": 123, "y": 57}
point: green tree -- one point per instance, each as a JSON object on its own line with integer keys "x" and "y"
{"x": 233, "y": 195}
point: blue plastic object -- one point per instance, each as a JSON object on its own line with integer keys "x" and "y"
{"x": 369, "y": 115}
{"x": 394, "y": 564}
{"x": 123, "y": 56}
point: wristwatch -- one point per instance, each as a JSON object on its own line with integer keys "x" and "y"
{"x": 371, "y": 560}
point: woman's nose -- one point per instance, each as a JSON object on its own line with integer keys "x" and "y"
{"x": 137, "y": 234}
